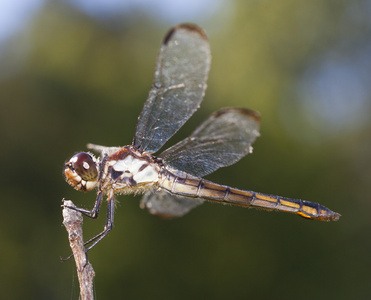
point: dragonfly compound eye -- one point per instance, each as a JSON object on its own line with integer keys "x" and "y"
{"x": 81, "y": 171}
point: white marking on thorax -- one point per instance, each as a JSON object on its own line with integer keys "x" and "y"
{"x": 149, "y": 174}
{"x": 131, "y": 166}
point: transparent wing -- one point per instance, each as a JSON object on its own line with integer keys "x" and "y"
{"x": 103, "y": 149}
{"x": 223, "y": 139}
{"x": 178, "y": 88}
{"x": 166, "y": 205}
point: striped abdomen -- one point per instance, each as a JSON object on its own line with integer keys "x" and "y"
{"x": 190, "y": 186}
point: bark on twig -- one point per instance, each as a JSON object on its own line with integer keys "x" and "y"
{"x": 72, "y": 220}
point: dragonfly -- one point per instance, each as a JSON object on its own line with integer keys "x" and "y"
{"x": 171, "y": 182}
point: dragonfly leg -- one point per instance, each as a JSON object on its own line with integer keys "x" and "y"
{"x": 107, "y": 228}
{"x": 89, "y": 213}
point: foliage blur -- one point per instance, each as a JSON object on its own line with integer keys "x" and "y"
{"x": 69, "y": 79}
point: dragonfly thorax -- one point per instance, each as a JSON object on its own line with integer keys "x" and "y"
{"x": 129, "y": 169}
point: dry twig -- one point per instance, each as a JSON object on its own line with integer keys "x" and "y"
{"x": 72, "y": 220}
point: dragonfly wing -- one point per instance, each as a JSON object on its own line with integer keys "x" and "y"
{"x": 103, "y": 149}
{"x": 223, "y": 139}
{"x": 179, "y": 86}
{"x": 166, "y": 205}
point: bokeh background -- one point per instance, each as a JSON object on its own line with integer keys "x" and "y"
{"x": 78, "y": 71}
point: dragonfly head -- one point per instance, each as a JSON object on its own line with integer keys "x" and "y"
{"x": 81, "y": 171}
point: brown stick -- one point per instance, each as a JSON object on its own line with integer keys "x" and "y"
{"x": 72, "y": 220}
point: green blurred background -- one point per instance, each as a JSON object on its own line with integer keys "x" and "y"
{"x": 76, "y": 72}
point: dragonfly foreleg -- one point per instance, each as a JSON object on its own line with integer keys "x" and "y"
{"x": 107, "y": 228}
{"x": 94, "y": 214}
{"x": 89, "y": 213}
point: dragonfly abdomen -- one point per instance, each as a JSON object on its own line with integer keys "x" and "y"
{"x": 195, "y": 187}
